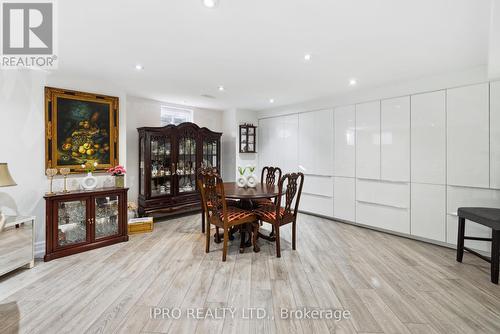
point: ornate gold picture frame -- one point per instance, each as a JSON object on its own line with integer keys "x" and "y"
{"x": 80, "y": 128}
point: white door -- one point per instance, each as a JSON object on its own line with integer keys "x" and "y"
{"x": 345, "y": 141}
{"x": 395, "y": 139}
{"x": 495, "y": 134}
{"x": 468, "y": 138}
{"x": 316, "y": 142}
{"x": 428, "y": 137}
{"x": 428, "y": 211}
{"x": 368, "y": 140}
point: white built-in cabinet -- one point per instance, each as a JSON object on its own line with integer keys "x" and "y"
{"x": 402, "y": 164}
{"x": 428, "y": 137}
{"x": 316, "y": 141}
{"x": 345, "y": 141}
{"x": 468, "y": 158}
{"x": 395, "y": 139}
{"x": 495, "y": 134}
{"x": 368, "y": 140}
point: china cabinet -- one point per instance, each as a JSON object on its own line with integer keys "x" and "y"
{"x": 83, "y": 220}
{"x": 248, "y": 135}
{"x": 169, "y": 157}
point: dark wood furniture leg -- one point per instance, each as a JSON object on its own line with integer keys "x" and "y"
{"x": 460, "y": 241}
{"x": 495, "y": 255}
{"x": 202, "y": 221}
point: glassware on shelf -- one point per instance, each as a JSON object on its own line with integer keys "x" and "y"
{"x": 107, "y": 214}
{"x": 72, "y": 222}
{"x": 51, "y": 172}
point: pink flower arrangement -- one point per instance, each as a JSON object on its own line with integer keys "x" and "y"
{"x": 116, "y": 171}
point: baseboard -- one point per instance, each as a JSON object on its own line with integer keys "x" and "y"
{"x": 39, "y": 249}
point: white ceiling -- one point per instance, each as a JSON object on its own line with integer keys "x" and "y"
{"x": 256, "y": 48}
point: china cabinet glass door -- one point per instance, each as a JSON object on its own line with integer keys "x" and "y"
{"x": 161, "y": 164}
{"x": 210, "y": 154}
{"x": 107, "y": 212}
{"x": 72, "y": 223}
{"x": 186, "y": 164}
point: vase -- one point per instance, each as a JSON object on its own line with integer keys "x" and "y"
{"x": 241, "y": 182}
{"x": 251, "y": 181}
{"x": 89, "y": 182}
{"x": 120, "y": 181}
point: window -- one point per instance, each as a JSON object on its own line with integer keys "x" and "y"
{"x": 172, "y": 115}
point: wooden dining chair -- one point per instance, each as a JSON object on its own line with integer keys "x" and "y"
{"x": 218, "y": 213}
{"x": 270, "y": 175}
{"x": 198, "y": 177}
{"x": 279, "y": 215}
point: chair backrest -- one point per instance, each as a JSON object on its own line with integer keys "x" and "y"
{"x": 212, "y": 194}
{"x": 294, "y": 183}
{"x": 268, "y": 175}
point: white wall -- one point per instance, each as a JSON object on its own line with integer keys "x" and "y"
{"x": 22, "y": 134}
{"x": 231, "y": 156}
{"x": 146, "y": 112}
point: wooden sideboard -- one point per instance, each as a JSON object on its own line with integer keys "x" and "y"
{"x": 17, "y": 243}
{"x": 83, "y": 220}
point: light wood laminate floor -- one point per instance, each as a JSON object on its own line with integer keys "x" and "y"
{"x": 388, "y": 284}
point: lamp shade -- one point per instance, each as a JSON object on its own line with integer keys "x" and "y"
{"x": 5, "y": 178}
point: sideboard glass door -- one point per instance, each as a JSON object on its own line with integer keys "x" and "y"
{"x": 72, "y": 223}
{"x": 107, "y": 214}
{"x": 161, "y": 166}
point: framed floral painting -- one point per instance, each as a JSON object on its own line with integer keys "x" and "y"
{"x": 80, "y": 128}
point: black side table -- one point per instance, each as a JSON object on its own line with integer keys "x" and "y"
{"x": 488, "y": 217}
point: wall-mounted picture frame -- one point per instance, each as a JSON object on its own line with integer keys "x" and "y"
{"x": 80, "y": 128}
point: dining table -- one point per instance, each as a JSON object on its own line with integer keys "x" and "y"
{"x": 246, "y": 197}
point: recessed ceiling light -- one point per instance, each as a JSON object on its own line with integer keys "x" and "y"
{"x": 210, "y": 3}
{"x": 307, "y": 57}
{"x": 271, "y": 100}
{"x": 352, "y": 82}
{"x": 221, "y": 88}
{"x": 139, "y": 67}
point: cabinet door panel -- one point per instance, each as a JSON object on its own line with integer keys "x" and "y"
{"x": 428, "y": 138}
{"x": 345, "y": 141}
{"x": 368, "y": 140}
{"x": 277, "y": 142}
{"x": 344, "y": 198}
{"x": 72, "y": 219}
{"x": 468, "y": 140}
{"x": 318, "y": 185}
{"x": 384, "y": 193}
{"x": 107, "y": 216}
{"x": 428, "y": 211}
{"x": 384, "y": 217}
{"x": 395, "y": 139}
{"x": 464, "y": 197}
{"x": 315, "y": 204}
{"x": 316, "y": 142}
{"x": 495, "y": 134}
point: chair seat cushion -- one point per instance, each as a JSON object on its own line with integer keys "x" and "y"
{"x": 268, "y": 213}
{"x": 263, "y": 202}
{"x": 485, "y": 216}
{"x": 234, "y": 214}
